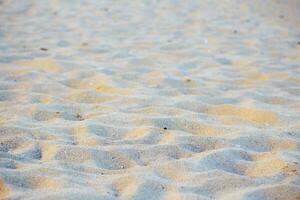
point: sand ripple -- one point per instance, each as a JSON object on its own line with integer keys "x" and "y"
{"x": 150, "y": 100}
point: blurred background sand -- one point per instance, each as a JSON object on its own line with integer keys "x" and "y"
{"x": 150, "y": 99}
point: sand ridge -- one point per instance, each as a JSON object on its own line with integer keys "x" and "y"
{"x": 157, "y": 100}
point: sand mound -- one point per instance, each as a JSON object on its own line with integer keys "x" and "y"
{"x": 156, "y": 100}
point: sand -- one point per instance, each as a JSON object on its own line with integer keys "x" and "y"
{"x": 162, "y": 100}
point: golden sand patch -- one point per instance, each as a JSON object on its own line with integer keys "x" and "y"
{"x": 282, "y": 192}
{"x": 125, "y": 186}
{"x": 250, "y": 43}
{"x": 241, "y": 64}
{"x": 279, "y": 75}
{"x": 166, "y": 137}
{"x": 295, "y": 80}
{"x": 268, "y": 163}
{"x": 253, "y": 78}
{"x": 82, "y": 137}
{"x": 79, "y": 130}
{"x": 266, "y": 167}
{"x": 283, "y": 144}
{"x": 172, "y": 196}
{"x": 2, "y": 120}
{"x": 23, "y": 147}
{"x": 109, "y": 89}
{"x": 202, "y": 129}
{"x": 263, "y": 155}
{"x": 44, "y": 99}
{"x": 252, "y": 115}
{"x": 258, "y": 76}
{"x": 138, "y": 133}
{"x": 88, "y": 141}
{"x": 275, "y": 100}
{"x": 4, "y": 191}
{"x": 88, "y": 81}
{"x": 153, "y": 78}
{"x": 48, "y": 151}
{"x": 42, "y": 182}
{"x": 45, "y": 64}
{"x": 86, "y": 97}
{"x": 174, "y": 171}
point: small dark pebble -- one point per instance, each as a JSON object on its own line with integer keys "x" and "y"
{"x": 235, "y": 31}
{"x": 298, "y": 43}
{"x": 102, "y": 173}
{"x": 165, "y": 128}
{"x": 281, "y": 16}
{"x": 79, "y": 117}
{"x": 188, "y": 80}
{"x": 57, "y": 112}
{"x": 43, "y": 49}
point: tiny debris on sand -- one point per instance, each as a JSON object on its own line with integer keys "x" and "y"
{"x": 156, "y": 100}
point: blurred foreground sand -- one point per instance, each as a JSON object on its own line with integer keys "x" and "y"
{"x": 150, "y": 99}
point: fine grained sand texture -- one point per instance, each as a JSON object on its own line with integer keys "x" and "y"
{"x": 150, "y": 100}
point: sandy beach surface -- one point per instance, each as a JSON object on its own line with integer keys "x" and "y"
{"x": 150, "y": 100}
